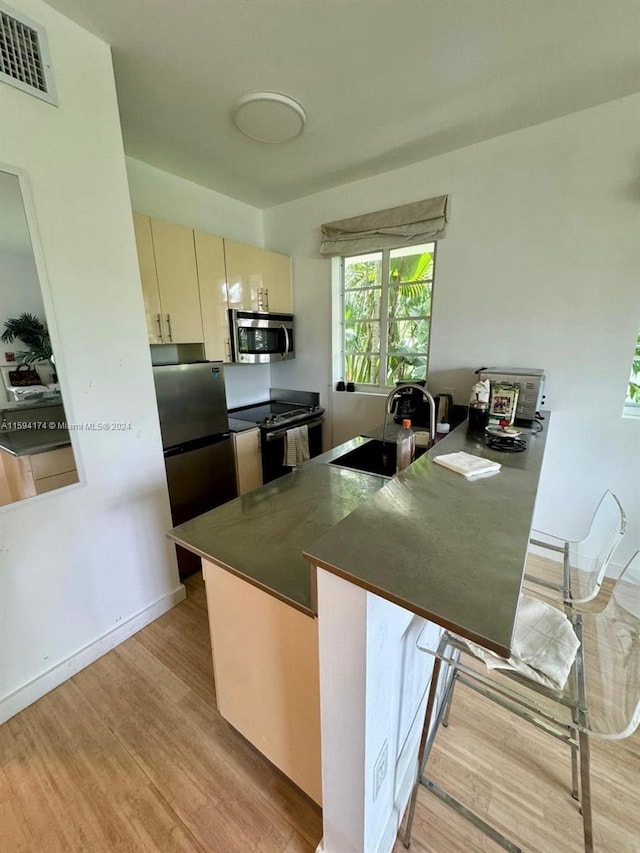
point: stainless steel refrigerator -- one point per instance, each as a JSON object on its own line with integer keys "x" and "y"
{"x": 198, "y": 451}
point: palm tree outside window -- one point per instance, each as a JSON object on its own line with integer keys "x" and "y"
{"x": 386, "y": 302}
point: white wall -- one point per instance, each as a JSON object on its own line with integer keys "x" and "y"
{"x": 175, "y": 199}
{"x": 539, "y": 268}
{"x": 92, "y": 559}
{"x": 246, "y": 384}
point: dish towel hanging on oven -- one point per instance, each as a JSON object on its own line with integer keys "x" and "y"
{"x": 296, "y": 446}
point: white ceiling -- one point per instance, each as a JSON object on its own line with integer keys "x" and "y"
{"x": 384, "y": 82}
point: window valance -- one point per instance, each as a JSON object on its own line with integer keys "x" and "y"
{"x": 406, "y": 225}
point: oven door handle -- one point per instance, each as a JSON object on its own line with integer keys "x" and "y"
{"x": 274, "y": 436}
{"x": 286, "y": 342}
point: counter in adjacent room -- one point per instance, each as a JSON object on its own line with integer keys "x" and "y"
{"x": 34, "y": 458}
{"x": 31, "y": 442}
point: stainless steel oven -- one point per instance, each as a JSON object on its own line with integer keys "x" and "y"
{"x": 260, "y": 336}
{"x": 285, "y": 409}
{"x": 273, "y": 449}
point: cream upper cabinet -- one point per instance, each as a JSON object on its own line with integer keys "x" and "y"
{"x": 213, "y": 296}
{"x": 191, "y": 278}
{"x": 258, "y": 280}
{"x": 246, "y": 446}
{"x": 175, "y": 256}
{"x": 277, "y": 278}
{"x": 148, "y": 277}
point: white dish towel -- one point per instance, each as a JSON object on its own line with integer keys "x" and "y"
{"x": 296, "y": 446}
{"x": 544, "y": 645}
{"x": 468, "y": 465}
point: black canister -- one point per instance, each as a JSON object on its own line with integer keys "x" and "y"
{"x": 478, "y": 416}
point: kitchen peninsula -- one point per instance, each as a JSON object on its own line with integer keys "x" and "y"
{"x": 383, "y": 556}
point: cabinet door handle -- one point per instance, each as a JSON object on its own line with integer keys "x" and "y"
{"x": 266, "y": 299}
{"x": 169, "y": 328}
{"x": 228, "y": 343}
{"x": 159, "y": 320}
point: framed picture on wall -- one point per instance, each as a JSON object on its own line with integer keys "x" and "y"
{"x": 503, "y": 403}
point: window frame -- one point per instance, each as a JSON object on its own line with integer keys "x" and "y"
{"x": 384, "y": 320}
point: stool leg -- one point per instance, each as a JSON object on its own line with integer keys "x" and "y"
{"x": 574, "y": 689}
{"x": 575, "y": 757}
{"x": 431, "y": 701}
{"x": 585, "y": 786}
{"x": 447, "y": 712}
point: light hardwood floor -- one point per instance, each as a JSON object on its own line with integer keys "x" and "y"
{"x": 131, "y": 755}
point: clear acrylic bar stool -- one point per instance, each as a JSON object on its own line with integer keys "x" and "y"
{"x": 601, "y": 698}
{"x": 585, "y": 561}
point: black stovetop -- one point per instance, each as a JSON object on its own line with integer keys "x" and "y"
{"x": 275, "y": 414}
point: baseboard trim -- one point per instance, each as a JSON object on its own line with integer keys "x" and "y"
{"x": 22, "y": 697}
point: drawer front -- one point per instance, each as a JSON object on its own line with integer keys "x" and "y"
{"x": 53, "y": 462}
{"x": 49, "y": 484}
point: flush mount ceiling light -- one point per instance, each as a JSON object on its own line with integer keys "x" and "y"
{"x": 269, "y": 117}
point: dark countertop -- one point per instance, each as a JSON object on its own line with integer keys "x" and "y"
{"x": 29, "y": 442}
{"x": 451, "y": 550}
{"x": 14, "y": 408}
{"x": 21, "y": 433}
{"x": 260, "y": 536}
{"x": 236, "y": 425}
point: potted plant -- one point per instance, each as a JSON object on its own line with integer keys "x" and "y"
{"x": 34, "y": 335}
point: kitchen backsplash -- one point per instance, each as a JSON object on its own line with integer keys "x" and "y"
{"x": 246, "y": 383}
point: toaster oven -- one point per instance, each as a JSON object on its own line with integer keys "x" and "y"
{"x": 531, "y": 383}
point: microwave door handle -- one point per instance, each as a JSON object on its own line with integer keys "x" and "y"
{"x": 286, "y": 342}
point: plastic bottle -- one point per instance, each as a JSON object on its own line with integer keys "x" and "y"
{"x": 405, "y": 446}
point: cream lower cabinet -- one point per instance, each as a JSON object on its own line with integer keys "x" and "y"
{"x": 213, "y": 296}
{"x": 246, "y": 446}
{"x": 169, "y": 274}
{"x": 258, "y": 280}
{"x": 265, "y": 663}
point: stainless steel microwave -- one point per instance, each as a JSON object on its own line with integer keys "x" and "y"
{"x": 258, "y": 337}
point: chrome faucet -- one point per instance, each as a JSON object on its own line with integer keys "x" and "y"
{"x": 432, "y": 409}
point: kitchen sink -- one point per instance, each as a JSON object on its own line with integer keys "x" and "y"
{"x": 373, "y": 457}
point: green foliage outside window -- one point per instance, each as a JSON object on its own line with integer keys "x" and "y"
{"x": 404, "y": 329}
{"x": 634, "y": 380}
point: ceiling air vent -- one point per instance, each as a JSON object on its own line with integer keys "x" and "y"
{"x": 24, "y": 55}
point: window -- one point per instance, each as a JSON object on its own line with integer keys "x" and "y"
{"x": 386, "y": 309}
{"x": 632, "y": 402}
